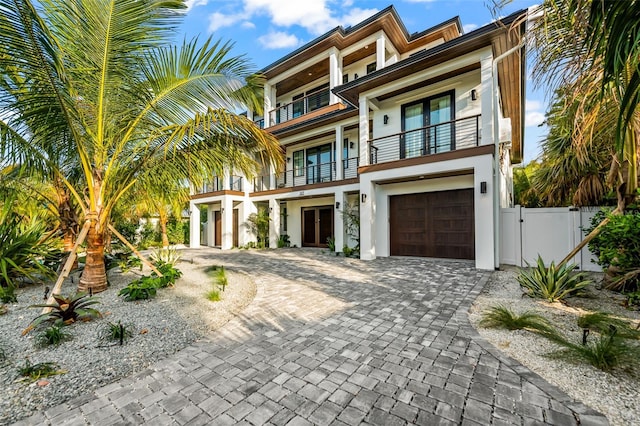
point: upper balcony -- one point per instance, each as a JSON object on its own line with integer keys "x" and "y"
{"x": 312, "y": 174}
{"x": 442, "y": 137}
{"x": 217, "y": 186}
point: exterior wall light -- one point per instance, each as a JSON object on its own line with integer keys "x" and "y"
{"x": 483, "y": 187}
{"x": 288, "y": 159}
{"x": 337, "y": 205}
{"x": 385, "y": 119}
{"x": 474, "y": 94}
{"x": 363, "y": 197}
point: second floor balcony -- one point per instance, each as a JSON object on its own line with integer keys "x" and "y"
{"x": 301, "y": 106}
{"x": 428, "y": 140}
{"x": 217, "y": 184}
{"x": 310, "y": 175}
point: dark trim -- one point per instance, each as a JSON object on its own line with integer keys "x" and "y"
{"x": 306, "y": 187}
{"x": 426, "y": 177}
{"x": 480, "y": 35}
{"x": 426, "y": 159}
{"x": 216, "y": 193}
{"x": 315, "y": 122}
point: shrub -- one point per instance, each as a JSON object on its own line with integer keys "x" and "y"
{"x": 165, "y": 255}
{"x": 502, "y": 317}
{"x": 8, "y": 294}
{"x": 283, "y": 241}
{"x": 169, "y": 275}
{"x": 130, "y": 262}
{"x": 53, "y": 335}
{"x": 142, "y": 289}
{"x": 552, "y": 283}
{"x": 331, "y": 244}
{"x": 176, "y": 232}
{"x": 633, "y": 299}
{"x": 258, "y": 224}
{"x": 119, "y": 332}
{"x": 24, "y": 249}
{"x": 214, "y": 295}
{"x": 605, "y": 323}
{"x": 36, "y": 371}
{"x": 605, "y": 353}
{"x": 66, "y": 310}
{"x": 617, "y": 248}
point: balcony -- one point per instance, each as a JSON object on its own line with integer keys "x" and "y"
{"x": 299, "y": 107}
{"x": 310, "y": 175}
{"x": 217, "y": 185}
{"x": 435, "y": 139}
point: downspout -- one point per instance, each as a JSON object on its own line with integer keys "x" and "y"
{"x": 496, "y": 156}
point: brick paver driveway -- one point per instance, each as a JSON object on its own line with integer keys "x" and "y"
{"x": 336, "y": 341}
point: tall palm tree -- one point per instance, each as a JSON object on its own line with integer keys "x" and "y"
{"x": 99, "y": 80}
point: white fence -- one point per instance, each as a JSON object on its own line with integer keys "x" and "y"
{"x": 550, "y": 232}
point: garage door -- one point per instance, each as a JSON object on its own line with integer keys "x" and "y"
{"x": 433, "y": 224}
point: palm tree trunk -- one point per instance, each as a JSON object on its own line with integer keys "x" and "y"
{"x": 163, "y": 228}
{"x": 94, "y": 276}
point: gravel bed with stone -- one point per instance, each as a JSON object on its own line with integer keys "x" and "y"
{"x": 615, "y": 394}
{"x": 175, "y": 318}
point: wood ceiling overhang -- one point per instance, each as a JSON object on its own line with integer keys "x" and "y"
{"x": 511, "y": 71}
{"x": 386, "y": 20}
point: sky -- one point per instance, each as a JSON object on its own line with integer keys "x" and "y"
{"x": 266, "y": 30}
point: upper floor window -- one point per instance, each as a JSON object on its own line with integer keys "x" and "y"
{"x": 345, "y": 78}
{"x": 298, "y": 163}
{"x": 427, "y": 127}
{"x": 371, "y": 67}
{"x": 318, "y": 97}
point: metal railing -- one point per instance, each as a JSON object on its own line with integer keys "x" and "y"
{"x": 309, "y": 175}
{"x": 441, "y": 137}
{"x": 217, "y": 184}
{"x": 299, "y": 107}
{"x": 259, "y": 122}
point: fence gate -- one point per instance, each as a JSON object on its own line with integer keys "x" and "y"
{"x": 550, "y": 232}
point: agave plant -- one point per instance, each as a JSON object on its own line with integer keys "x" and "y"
{"x": 553, "y": 283}
{"x": 165, "y": 255}
{"x": 66, "y": 310}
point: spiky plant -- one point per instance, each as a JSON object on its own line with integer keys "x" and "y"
{"x": 503, "y": 317}
{"x": 53, "y": 335}
{"x": 551, "y": 283}
{"x": 605, "y": 353}
{"x": 66, "y": 310}
{"x": 605, "y": 323}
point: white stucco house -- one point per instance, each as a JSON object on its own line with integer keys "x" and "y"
{"x": 417, "y": 130}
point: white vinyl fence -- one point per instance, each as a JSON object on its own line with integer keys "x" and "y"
{"x": 550, "y": 232}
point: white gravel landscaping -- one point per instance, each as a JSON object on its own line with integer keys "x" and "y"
{"x": 614, "y": 394}
{"x": 174, "y": 319}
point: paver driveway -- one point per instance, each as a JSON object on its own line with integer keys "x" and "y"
{"x": 336, "y": 341}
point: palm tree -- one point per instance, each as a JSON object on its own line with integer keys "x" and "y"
{"x": 99, "y": 80}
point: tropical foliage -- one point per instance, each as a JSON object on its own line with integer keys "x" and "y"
{"x": 66, "y": 310}
{"x": 258, "y": 224}
{"x": 552, "y": 283}
{"x": 124, "y": 107}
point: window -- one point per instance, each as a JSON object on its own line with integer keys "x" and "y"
{"x": 345, "y": 153}
{"x": 371, "y": 67}
{"x": 298, "y": 105}
{"x": 345, "y": 78}
{"x": 318, "y": 97}
{"x": 298, "y": 163}
{"x": 427, "y": 127}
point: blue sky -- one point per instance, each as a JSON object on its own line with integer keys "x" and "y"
{"x": 265, "y": 30}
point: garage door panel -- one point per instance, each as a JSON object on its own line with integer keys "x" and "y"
{"x": 433, "y": 224}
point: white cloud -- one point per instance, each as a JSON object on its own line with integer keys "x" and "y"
{"x": 279, "y": 40}
{"x": 357, "y": 15}
{"x": 193, "y": 3}
{"x": 248, "y": 24}
{"x": 469, "y": 27}
{"x": 533, "y": 119}
{"x": 219, "y": 20}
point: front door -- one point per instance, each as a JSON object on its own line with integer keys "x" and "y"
{"x": 217, "y": 220}
{"x": 235, "y": 228}
{"x": 317, "y": 226}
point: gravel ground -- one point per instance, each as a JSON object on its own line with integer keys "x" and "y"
{"x": 174, "y": 319}
{"x": 614, "y": 394}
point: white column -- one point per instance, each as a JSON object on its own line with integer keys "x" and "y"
{"x": 486, "y": 101}
{"x": 380, "y": 51}
{"x": 244, "y": 234}
{"x": 194, "y": 225}
{"x": 339, "y": 169}
{"x": 274, "y": 223}
{"x": 367, "y": 220}
{"x": 335, "y": 74}
{"x": 364, "y": 132}
{"x": 338, "y": 221}
{"x": 211, "y": 226}
{"x": 268, "y": 104}
{"x": 227, "y": 223}
{"x": 226, "y": 179}
{"x": 483, "y": 212}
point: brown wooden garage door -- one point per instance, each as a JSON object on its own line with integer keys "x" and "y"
{"x": 433, "y": 224}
